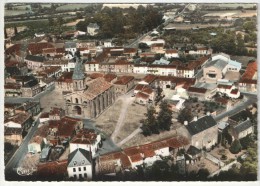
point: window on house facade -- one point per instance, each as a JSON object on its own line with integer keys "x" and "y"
{"x": 85, "y": 175}
{"x": 79, "y": 168}
{"x": 84, "y": 168}
{"x": 74, "y": 169}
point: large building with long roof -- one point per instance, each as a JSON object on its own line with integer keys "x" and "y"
{"x": 89, "y": 98}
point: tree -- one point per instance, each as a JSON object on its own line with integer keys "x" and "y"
{"x": 15, "y": 31}
{"x": 164, "y": 118}
{"x": 235, "y": 147}
{"x": 185, "y": 115}
{"x": 5, "y": 34}
{"x": 246, "y": 141}
{"x": 51, "y": 21}
{"x": 150, "y": 125}
{"x": 143, "y": 46}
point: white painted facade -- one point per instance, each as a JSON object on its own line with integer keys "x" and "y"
{"x": 163, "y": 152}
{"x": 92, "y": 67}
{"x": 156, "y": 70}
{"x": 198, "y": 52}
{"x": 84, "y": 171}
{"x": 171, "y": 55}
{"x": 151, "y": 42}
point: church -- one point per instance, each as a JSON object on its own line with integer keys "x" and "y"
{"x": 89, "y": 98}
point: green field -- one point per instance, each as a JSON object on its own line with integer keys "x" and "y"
{"x": 14, "y": 12}
{"x": 72, "y": 6}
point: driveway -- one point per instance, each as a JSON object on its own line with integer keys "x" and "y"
{"x": 127, "y": 100}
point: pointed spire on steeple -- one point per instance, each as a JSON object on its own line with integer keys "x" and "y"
{"x": 78, "y": 73}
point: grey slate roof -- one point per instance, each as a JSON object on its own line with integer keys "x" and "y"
{"x": 220, "y": 64}
{"x": 70, "y": 44}
{"x": 79, "y": 157}
{"x": 78, "y": 72}
{"x": 35, "y": 58}
{"x": 201, "y": 124}
{"x": 243, "y": 126}
{"x": 193, "y": 151}
{"x": 31, "y": 83}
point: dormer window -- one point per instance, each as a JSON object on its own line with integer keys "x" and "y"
{"x": 74, "y": 163}
{"x": 83, "y": 162}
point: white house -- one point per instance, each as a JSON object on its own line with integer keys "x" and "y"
{"x": 92, "y": 66}
{"x": 86, "y": 139}
{"x": 171, "y": 53}
{"x": 79, "y": 33}
{"x": 140, "y": 69}
{"x": 228, "y": 89}
{"x": 199, "y": 51}
{"x": 233, "y": 66}
{"x": 71, "y": 65}
{"x": 150, "y": 42}
{"x": 80, "y": 165}
{"x": 163, "y": 70}
{"x": 39, "y": 34}
{"x": 92, "y": 29}
{"x": 108, "y": 44}
{"x": 70, "y": 47}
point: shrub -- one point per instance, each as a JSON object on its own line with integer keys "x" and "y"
{"x": 235, "y": 147}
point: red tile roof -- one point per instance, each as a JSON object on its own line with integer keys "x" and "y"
{"x": 137, "y": 153}
{"x": 20, "y": 118}
{"x": 171, "y": 51}
{"x": 85, "y": 136}
{"x": 198, "y": 90}
{"x": 12, "y": 86}
{"x": 41, "y": 133}
{"x": 123, "y": 80}
{"x": 96, "y": 75}
{"x": 224, "y": 86}
{"x": 52, "y": 169}
{"x": 130, "y": 50}
{"x": 191, "y": 65}
{"x": 136, "y": 158}
{"x": 149, "y": 78}
{"x": 66, "y": 77}
{"x": 142, "y": 95}
{"x": 249, "y": 73}
{"x": 234, "y": 91}
{"x": 65, "y": 126}
{"x": 110, "y": 77}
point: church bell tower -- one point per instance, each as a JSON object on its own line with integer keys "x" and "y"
{"x": 78, "y": 76}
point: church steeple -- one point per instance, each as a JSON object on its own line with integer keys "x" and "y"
{"x": 78, "y": 76}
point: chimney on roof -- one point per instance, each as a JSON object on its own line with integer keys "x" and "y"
{"x": 185, "y": 123}
{"x": 247, "y": 118}
{"x": 208, "y": 113}
{"x": 195, "y": 118}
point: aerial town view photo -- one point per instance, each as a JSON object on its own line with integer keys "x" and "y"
{"x": 130, "y": 92}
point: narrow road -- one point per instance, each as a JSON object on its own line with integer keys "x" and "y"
{"x": 127, "y": 100}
